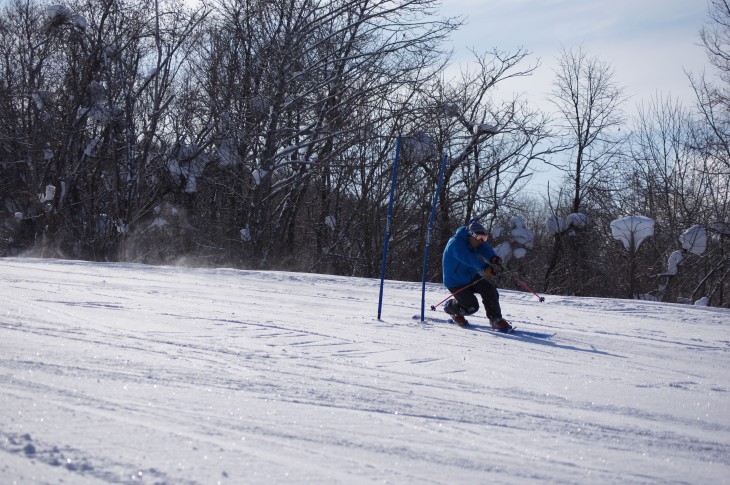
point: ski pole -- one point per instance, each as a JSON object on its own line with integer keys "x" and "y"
{"x": 433, "y": 307}
{"x": 524, "y": 285}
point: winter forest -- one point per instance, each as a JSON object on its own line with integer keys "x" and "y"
{"x": 262, "y": 134}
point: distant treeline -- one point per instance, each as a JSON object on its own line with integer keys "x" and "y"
{"x": 263, "y": 133}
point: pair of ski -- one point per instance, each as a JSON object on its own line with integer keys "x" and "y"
{"x": 512, "y": 332}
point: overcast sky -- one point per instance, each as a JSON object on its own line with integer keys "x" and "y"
{"x": 650, "y": 43}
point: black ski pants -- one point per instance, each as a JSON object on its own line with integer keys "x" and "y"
{"x": 467, "y": 303}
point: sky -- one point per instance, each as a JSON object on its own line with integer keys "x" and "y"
{"x": 124, "y": 373}
{"x": 650, "y": 43}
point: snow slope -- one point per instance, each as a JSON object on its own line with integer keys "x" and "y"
{"x": 120, "y": 373}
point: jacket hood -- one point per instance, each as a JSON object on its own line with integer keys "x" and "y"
{"x": 462, "y": 233}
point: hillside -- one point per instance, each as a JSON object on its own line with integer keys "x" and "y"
{"x": 116, "y": 373}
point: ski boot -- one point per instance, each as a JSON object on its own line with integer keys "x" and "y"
{"x": 501, "y": 325}
{"x": 460, "y": 320}
{"x": 452, "y": 312}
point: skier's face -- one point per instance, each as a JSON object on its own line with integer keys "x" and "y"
{"x": 475, "y": 242}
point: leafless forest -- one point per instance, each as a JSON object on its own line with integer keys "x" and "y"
{"x": 262, "y": 134}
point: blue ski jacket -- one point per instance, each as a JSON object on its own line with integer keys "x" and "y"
{"x": 461, "y": 263}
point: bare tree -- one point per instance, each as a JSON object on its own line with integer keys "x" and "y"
{"x": 589, "y": 118}
{"x": 311, "y": 96}
{"x": 491, "y": 144}
{"x": 712, "y": 137}
{"x": 589, "y": 115}
{"x": 26, "y": 112}
{"x": 713, "y": 98}
{"x": 98, "y": 85}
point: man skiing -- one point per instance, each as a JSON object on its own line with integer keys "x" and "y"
{"x": 469, "y": 263}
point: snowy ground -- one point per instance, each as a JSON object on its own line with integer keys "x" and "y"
{"x": 119, "y": 373}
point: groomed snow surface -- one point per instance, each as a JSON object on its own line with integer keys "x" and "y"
{"x": 121, "y": 373}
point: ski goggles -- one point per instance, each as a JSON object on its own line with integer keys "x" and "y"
{"x": 481, "y": 237}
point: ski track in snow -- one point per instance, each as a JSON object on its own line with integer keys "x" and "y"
{"x": 121, "y": 373}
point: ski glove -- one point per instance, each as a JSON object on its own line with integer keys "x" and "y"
{"x": 491, "y": 270}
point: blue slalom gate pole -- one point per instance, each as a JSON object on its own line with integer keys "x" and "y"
{"x": 387, "y": 227}
{"x": 428, "y": 236}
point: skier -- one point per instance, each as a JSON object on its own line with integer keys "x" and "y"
{"x": 469, "y": 263}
